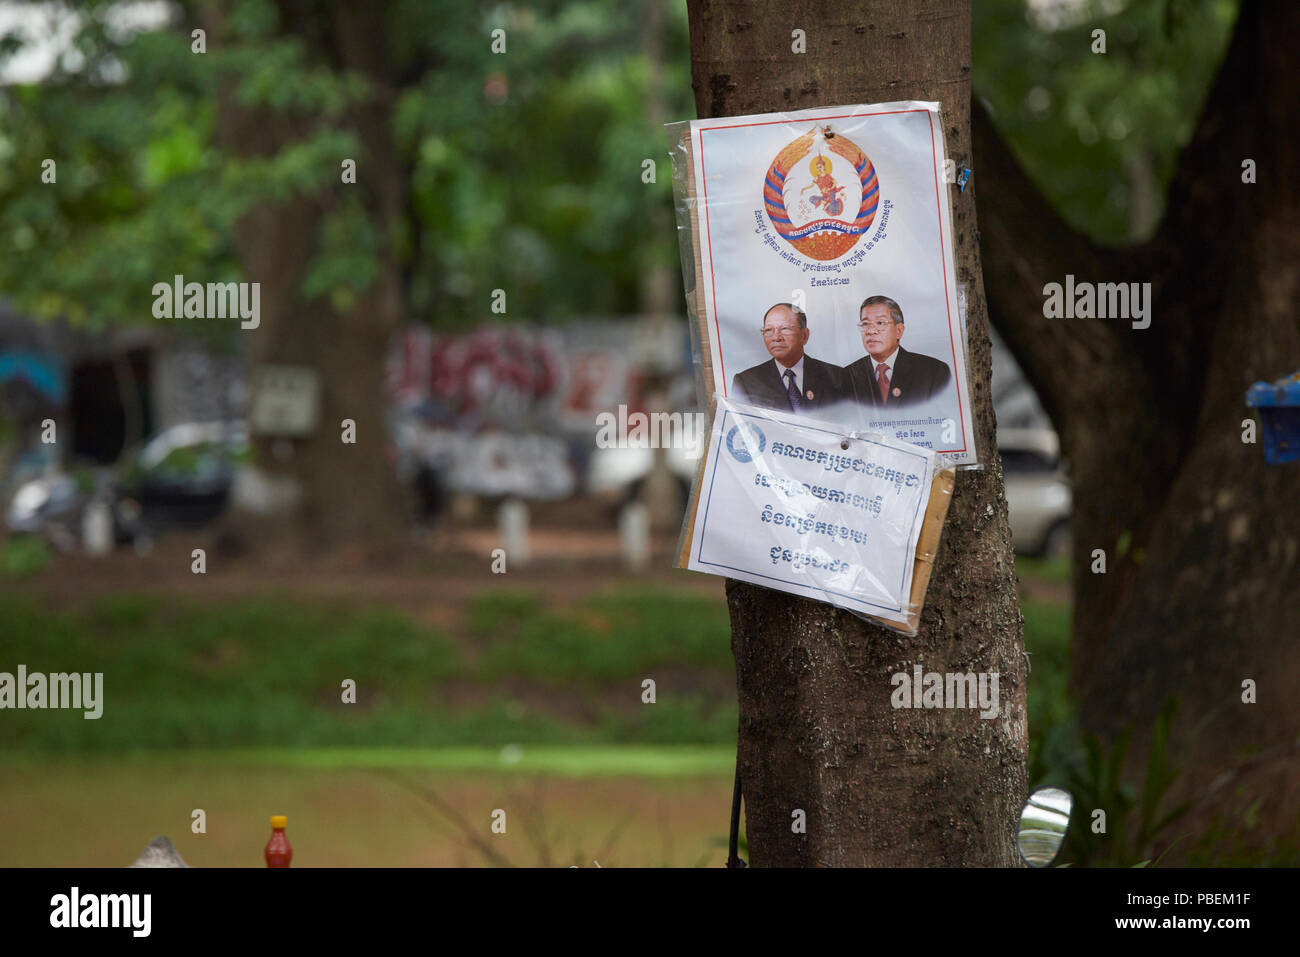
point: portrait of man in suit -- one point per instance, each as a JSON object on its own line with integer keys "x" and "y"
{"x": 792, "y": 381}
{"x": 888, "y": 375}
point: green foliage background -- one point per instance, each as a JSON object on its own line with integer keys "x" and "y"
{"x": 1100, "y": 133}
{"x": 539, "y": 193}
{"x": 525, "y": 167}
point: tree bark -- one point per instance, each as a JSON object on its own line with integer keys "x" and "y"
{"x": 349, "y": 493}
{"x": 879, "y": 786}
{"x": 1200, "y": 536}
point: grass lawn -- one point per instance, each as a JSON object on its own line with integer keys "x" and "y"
{"x": 180, "y": 672}
{"x": 184, "y": 673}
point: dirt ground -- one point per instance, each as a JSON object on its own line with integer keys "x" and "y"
{"x": 575, "y": 553}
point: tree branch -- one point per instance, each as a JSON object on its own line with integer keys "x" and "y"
{"x": 1213, "y": 230}
{"x": 1243, "y": 112}
{"x": 1025, "y": 244}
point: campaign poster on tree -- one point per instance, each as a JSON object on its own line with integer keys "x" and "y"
{"x": 827, "y": 272}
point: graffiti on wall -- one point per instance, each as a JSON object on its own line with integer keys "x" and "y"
{"x": 512, "y": 376}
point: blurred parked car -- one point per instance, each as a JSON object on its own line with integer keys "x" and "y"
{"x": 50, "y": 505}
{"x": 44, "y": 496}
{"x": 1038, "y": 491}
{"x": 37, "y": 461}
{"x": 181, "y": 478}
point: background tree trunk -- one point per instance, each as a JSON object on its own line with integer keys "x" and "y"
{"x": 880, "y": 787}
{"x": 350, "y": 495}
{"x": 1201, "y": 537}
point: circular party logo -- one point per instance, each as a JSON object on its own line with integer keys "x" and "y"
{"x": 821, "y": 194}
{"x": 744, "y": 441}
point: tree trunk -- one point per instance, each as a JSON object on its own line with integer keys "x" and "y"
{"x": 1200, "y": 536}
{"x": 879, "y": 786}
{"x": 349, "y": 493}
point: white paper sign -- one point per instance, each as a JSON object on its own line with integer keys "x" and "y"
{"x": 286, "y": 400}
{"x": 782, "y": 504}
{"x": 844, "y": 213}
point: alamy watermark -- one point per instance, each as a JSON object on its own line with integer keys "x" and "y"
{"x": 650, "y": 430}
{"x": 84, "y": 691}
{"x": 947, "y": 690}
{"x": 1103, "y": 300}
{"x": 75, "y": 909}
{"x": 179, "y": 299}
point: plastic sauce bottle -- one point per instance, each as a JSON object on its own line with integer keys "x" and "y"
{"x": 278, "y": 851}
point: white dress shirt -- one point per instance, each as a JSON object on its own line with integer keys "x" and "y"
{"x": 889, "y": 367}
{"x": 798, "y": 375}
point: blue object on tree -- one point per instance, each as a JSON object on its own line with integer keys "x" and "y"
{"x": 1279, "y": 415}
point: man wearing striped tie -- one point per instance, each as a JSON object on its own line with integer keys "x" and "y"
{"x": 793, "y": 381}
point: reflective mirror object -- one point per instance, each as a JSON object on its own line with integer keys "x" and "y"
{"x": 1043, "y": 823}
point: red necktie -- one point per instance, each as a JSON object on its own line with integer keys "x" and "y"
{"x": 882, "y": 380}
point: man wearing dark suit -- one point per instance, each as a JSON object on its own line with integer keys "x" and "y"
{"x": 792, "y": 381}
{"x": 888, "y": 375}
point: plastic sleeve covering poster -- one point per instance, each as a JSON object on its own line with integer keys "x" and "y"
{"x": 825, "y": 241}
